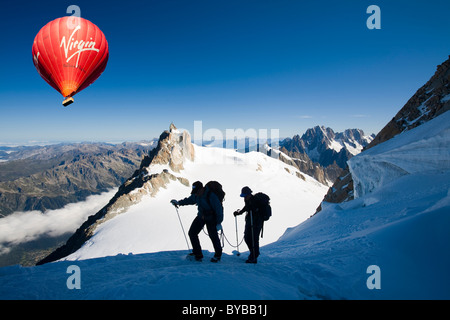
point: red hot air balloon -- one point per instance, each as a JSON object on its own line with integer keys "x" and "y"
{"x": 70, "y": 53}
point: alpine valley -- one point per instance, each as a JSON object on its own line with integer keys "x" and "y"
{"x": 51, "y": 176}
{"x": 38, "y": 182}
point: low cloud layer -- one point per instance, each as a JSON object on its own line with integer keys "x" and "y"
{"x": 21, "y": 227}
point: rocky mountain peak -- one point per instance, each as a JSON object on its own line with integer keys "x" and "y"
{"x": 173, "y": 148}
{"x": 319, "y": 136}
{"x": 324, "y": 146}
{"x": 351, "y": 134}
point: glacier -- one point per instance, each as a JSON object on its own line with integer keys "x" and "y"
{"x": 427, "y": 148}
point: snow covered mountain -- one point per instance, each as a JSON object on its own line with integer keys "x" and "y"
{"x": 322, "y": 153}
{"x": 140, "y": 218}
{"x": 391, "y": 242}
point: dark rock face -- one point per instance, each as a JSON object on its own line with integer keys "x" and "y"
{"x": 322, "y": 153}
{"x": 325, "y": 147}
{"x": 431, "y": 100}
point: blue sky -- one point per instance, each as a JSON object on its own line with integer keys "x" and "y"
{"x": 260, "y": 64}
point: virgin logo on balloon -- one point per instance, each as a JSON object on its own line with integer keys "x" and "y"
{"x": 70, "y": 58}
{"x": 75, "y": 44}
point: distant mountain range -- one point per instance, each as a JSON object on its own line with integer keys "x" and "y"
{"x": 49, "y": 177}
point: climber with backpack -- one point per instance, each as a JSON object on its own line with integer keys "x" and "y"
{"x": 210, "y": 213}
{"x": 258, "y": 210}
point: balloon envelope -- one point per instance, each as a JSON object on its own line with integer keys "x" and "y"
{"x": 70, "y": 53}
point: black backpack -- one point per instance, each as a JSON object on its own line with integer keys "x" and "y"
{"x": 262, "y": 204}
{"x": 216, "y": 187}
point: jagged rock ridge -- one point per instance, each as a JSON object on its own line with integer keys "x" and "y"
{"x": 322, "y": 153}
{"x": 324, "y": 146}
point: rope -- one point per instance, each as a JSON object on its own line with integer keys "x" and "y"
{"x": 231, "y": 244}
{"x": 223, "y": 236}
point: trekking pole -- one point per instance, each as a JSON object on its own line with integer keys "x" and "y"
{"x": 183, "y": 229}
{"x": 253, "y": 234}
{"x": 237, "y": 239}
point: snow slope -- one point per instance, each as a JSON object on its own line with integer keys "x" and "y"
{"x": 401, "y": 227}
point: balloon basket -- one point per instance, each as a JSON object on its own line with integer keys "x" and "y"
{"x": 68, "y": 101}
